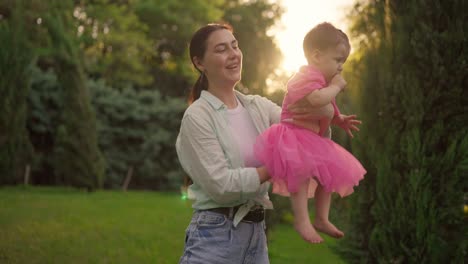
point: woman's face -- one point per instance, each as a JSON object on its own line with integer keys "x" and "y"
{"x": 222, "y": 62}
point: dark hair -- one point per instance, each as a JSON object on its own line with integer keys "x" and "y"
{"x": 197, "y": 49}
{"x": 322, "y": 37}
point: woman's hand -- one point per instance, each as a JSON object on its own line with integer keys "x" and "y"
{"x": 303, "y": 110}
{"x": 307, "y": 116}
{"x": 263, "y": 174}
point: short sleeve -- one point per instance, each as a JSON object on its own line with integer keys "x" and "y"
{"x": 303, "y": 83}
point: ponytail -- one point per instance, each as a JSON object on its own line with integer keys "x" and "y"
{"x": 200, "y": 85}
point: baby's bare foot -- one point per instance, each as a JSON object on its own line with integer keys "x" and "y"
{"x": 307, "y": 232}
{"x": 328, "y": 228}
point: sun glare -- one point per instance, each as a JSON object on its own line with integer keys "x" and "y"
{"x": 299, "y": 18}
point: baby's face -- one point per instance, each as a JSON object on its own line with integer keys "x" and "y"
{"x": 332, "y": 60}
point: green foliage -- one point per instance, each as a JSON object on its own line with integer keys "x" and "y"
{"x": 77, "y": 159}
{"x": 141, "y": 42}
{"x": 115, "y": 42}
{"x": 411, "y": 72}
{"x": 251, "y": 21}
{"x": 45, "y": 105}
{"x": 139, "y": 45}
{"x": 15, "y": 61}
{"x": 137, "y": 130}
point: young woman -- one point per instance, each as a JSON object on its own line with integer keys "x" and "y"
{"x": 215, "y": 148}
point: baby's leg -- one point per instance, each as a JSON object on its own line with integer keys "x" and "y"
{"x": 322, "y": 208}
{"x": 301, "y": 215}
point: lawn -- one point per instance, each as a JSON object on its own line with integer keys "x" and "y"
{"x": 61, "y": 225}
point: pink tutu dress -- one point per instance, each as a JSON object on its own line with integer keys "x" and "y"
{"x": 292, "y": 154}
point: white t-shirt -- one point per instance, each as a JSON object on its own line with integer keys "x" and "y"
{"x": 244, "y": 132}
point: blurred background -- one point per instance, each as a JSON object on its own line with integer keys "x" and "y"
{"x": 93, "y": 91}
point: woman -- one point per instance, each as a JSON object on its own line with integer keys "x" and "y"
{"x": 215, "y": 147}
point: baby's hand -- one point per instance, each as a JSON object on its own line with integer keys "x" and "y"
{"x": 338, "y": 81}
{"x": 347, "y": 123}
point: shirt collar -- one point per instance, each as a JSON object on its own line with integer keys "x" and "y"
{"x": 218, "y": 104}
{"x": 244, "y": 99}
{"x": 212, "y": 100}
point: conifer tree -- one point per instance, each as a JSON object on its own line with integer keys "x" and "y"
{"x": 15, "y": 59}
{"x": 411, "y": 73}
{"x": 78, "y": 160}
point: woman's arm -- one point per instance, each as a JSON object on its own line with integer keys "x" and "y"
{"x": 303, "y": 110}
{"x": 202, "y": 157}
{"x": 303, "y": 113}
{"x": 263, "y": 174}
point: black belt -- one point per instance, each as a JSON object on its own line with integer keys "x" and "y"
{"x": 255, "y": 215}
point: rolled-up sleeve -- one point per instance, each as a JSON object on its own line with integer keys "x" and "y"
{"x": 275, "y": 113}
{"x": 272, "y": 110}
{"x": 202, "y": 157}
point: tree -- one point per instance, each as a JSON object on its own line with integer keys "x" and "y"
{"x": 78, "y": 160}
{"x": 45, "y": 106}
{"x": 251, "y": 21}
{"x": 411, "y": 70}
{"x": 141, "y": 43}
{"x": 115, "y": 42}
{"x": 15, "y": 59}
{"x": 136, "y": 131}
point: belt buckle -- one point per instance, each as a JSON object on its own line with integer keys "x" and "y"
{"x": 255, "y": 210}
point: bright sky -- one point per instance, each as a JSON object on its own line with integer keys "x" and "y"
{"x": 302, "y": 15}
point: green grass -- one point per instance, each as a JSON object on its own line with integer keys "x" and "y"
{"x": 286, "y": 246}
{"x": 61, "y": 225}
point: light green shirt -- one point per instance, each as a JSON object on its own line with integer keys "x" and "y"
{"x": 209, "y": 154}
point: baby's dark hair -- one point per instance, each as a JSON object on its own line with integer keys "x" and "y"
{"x": 322, "y": 37}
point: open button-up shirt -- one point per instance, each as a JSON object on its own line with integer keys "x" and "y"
{"x": 209, "y": 154}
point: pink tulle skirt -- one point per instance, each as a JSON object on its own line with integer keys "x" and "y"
{"x": 295, "y": 156}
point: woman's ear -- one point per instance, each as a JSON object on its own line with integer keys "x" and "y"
{"x": 198, "y": 64}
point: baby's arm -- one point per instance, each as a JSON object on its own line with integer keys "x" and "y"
{"x": 348, "y": 123}
{"x": 325, "y": 95}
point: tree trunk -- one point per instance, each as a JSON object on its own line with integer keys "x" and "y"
{"x": 128, "y": 178}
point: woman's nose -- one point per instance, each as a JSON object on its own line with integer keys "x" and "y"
{"x": 234, "y": 52}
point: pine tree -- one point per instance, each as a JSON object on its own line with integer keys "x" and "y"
{"x": 15, "y": 59}
{"x": 78, "y": 160}
{"x": 411, "y": 71}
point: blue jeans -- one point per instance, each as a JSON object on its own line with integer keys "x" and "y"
{"x": 211, "y": 238}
